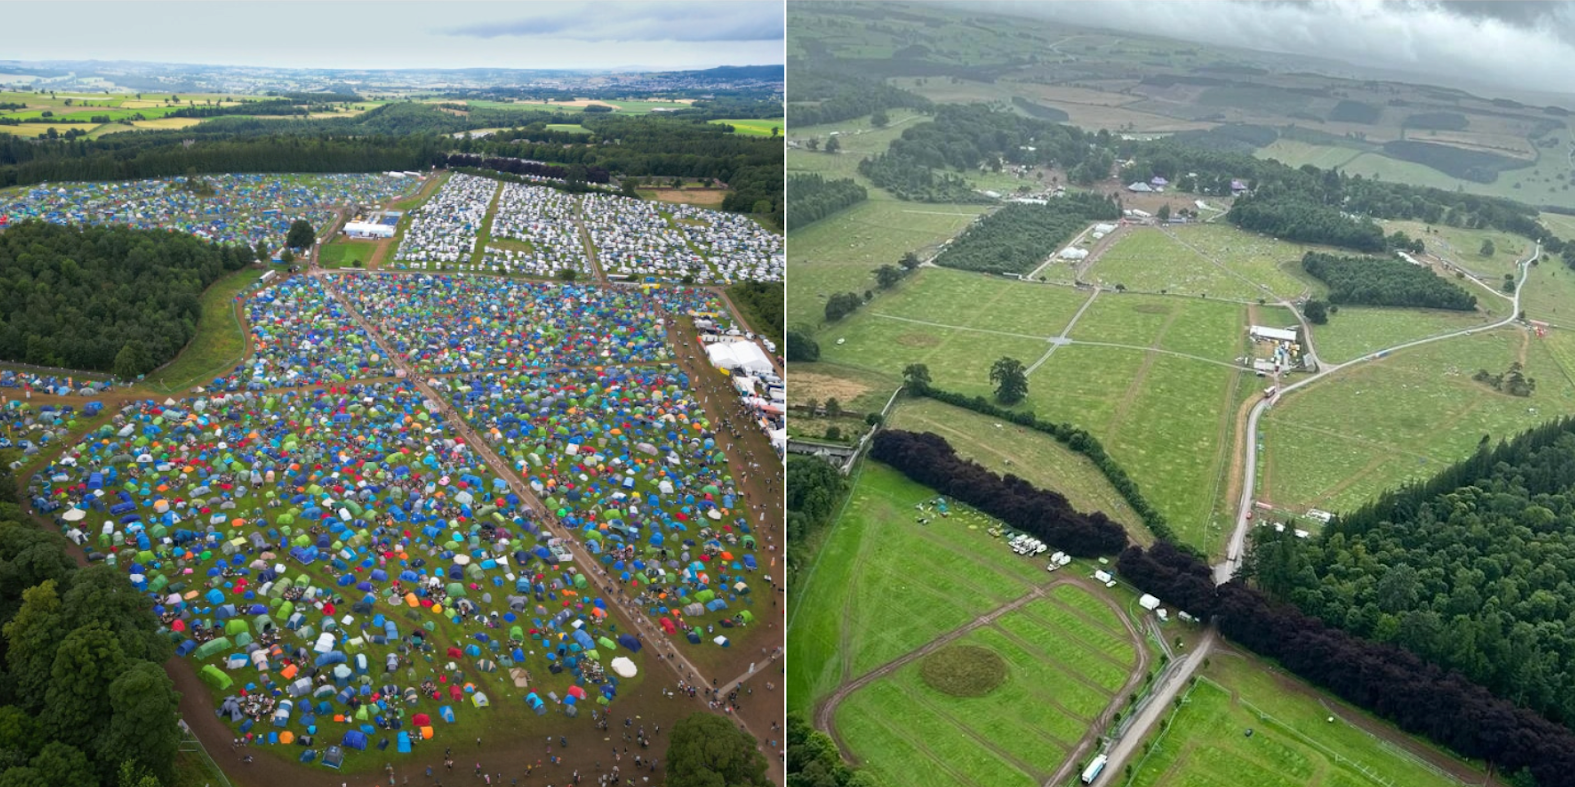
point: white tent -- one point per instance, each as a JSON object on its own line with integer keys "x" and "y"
{"x": 1148, "y": 602}
{"x": 624, "y": 667}
{"x": 738, "y": 355}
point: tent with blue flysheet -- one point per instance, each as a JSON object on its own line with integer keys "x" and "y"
{"x": 447, "y": 713}
{"x": 355, "y": 739}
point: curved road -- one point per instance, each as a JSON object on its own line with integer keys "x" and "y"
{"x": 1170, "y": 685}
{"x": 1233, "y": 554}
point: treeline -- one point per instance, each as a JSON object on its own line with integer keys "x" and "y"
{"x": 1438, "y": 121}
{"x": 1469, "y": 569}
{"x": 762, "y": 304}
{"x": 104, "y": 298}
{"x": 1348, "y": 111}
{"x": 929, "y": 460}
{"x": 1040, "y": 110}
{"x": 1480, "y": 166}
{"x": 1305, "y": 221}
{"x": 1420, "y": 697}
{"x": 1018, "y": 237}
{"x": 1074, "y": 439}
{"x": 1385, "y": 281}
{"x": 812, "y": 198}
{"x": 279, "y": 107}
{"x": 836, "y": 96}
{"x": 813, "y": 490}
{"x": 86, "y": 701}
{"x": 813, "y": 759}
{"x": 516, "y": 166}
{"x": 917, "y": 166}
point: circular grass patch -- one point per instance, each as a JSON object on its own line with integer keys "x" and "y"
{"x": 963, "y": 670}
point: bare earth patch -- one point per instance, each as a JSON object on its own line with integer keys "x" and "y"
{"x": 821, "y": 387}
{"x": 691, "y": 196}
{"x": 963, "y": 670}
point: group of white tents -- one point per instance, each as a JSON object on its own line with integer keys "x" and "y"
{"x": 633, "y": 239}
{"x": 444, "y": 229}
{"x": 544, "y": 218}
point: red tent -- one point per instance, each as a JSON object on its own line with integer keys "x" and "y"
{"x": 421, "y": 720}
{"x": 667, "y": 625}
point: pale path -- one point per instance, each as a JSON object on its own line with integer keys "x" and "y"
{"x": 1066, "y": 332}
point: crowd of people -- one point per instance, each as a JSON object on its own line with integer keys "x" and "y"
{"x": 300, "y": 335}
{"x": 249, "y": 209}
{"x": 442, "y": 232}
{"x": 337, "y": 554}
{"x": 444, "y": 324}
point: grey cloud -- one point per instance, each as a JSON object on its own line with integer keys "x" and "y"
{"x": 688, "y": 22}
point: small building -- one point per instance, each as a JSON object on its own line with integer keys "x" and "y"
{"x": 1320, "y": 515}
{"x": 1158, "y": 182}
{"x": 1073, "y": 253}
{"x": 1271, "y": 334}
{"x": 368, "y": 229}
{"x": 1148, "y": 602}
{"x": 1103, "y": 576}
{"x": 1237, "y": 188}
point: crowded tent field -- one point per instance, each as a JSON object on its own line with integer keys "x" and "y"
{"x": 341, "y": 569}
{"x": 300, "y": 335}
{"x": 626, "y": 457}
{"x": 534, "y": 233}
{"x": 442, "y": 232}
{"x": 444, "y": 324}
{"x": 249, "y": 209}
{"x": 641, "y": 240}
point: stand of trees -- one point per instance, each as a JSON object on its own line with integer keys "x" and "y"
{"x": 801, "y": 346}
{"x": 929, "y": 460}
{"x": 1476, "y": 165}
{"x": 516, "y": 166}
{"x": 106, "y": 298}
{"x": 1385, "y": 281}
{"x": 706, "y": 750}
{"x": 762, "y": 303}
{"x": 814, "y": 761}
{"x": 812, "y": 198}
{"x": 839, "y": 96}
{"x": 813, "y": 490}
{"x": 279, "y": 107}
{"x": 1394, "y": 683}
{"x": 1016, "y": 238}
{"x": 85, "y": 700}
{"x": 1306, "y": 221}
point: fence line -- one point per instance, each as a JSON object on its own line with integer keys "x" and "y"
{"x": 190, "y": 744}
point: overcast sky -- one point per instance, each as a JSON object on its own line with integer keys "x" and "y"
{"x": 1518, "y": 45}
{"x": 660, "y": 35}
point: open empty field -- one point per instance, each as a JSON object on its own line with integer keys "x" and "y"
{"x": 754, "y": 127}
{"x": 883, "y": 585}
{"x": 219, "y": 344}
{"x": 1463, "y": 247}
{"x": 1420, "y": 410}
{"x": 1293, "y": 742}
{"x": 1033, "y": 456}
{"x": 346, "y": 254}
{"x": 1274, "y": 264}
{"x": 1355, "y": 331}
{"x": 1147, "y": 259}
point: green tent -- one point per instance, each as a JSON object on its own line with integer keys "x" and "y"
{"x": 215, "y": 677}
{"x": 235, "y": 626}
{"x": 213, "y": 646}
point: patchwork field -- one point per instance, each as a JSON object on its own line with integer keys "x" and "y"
{"x": 1420, "y": 411}
{"x": 877, "y": 559}
{"x": 1354, "y": 331}
{"x": 1064, "y": 667}
{"x": 1293, "y": 742}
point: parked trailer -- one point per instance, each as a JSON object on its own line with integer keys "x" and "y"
{"x": 1094, "y": 768}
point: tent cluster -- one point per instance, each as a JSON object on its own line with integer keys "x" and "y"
{"x": 738, "y": 247}
{"x": 300, "y": 336}
{"x": 626, "y": 457}
{"x": 337, "y": 562}
{"x": 54, "y": 384}
{"x": 443, "y": 231}
{"x": 633, "y": 239}
{"x": 32, "y": 428}
{"x": 544, "y": 218}
{"x": 244, "y": 208}
{"x": 457, "y": 324}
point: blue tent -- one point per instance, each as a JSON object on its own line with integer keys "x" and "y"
{"x": 355, "y": 739}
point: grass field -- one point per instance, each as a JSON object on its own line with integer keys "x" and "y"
{"x": 1463, "y": 247}
{"x": 1549, "y": 294}
{"x": 346, "y": 254}
{"x": 1293, "y": 744}
{"x": 1147, "y": 259}
{"x": 574, "y": 127}
{"x": 877, "y": 560}
{"x": 219, "y": 343}
{"x": 755, "y": 127}
{"x": 1063, "y": 669}
{"x": 1274, "y": 264}
{"x": 1033, "y": 456}
{"x": 1355, "y": 331}
{"x": 1419, "y": 411}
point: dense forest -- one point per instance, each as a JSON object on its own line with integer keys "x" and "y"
{"x": 929, "y": 460}
{"x": 85, "y": 698}
{"x": 105, "y": 299}
{"x": 1016, "y": 238}
{"x": 1348, "y": 111}
{"x": 813, "y": 490}
{"x": 812, "y": 198}
{"x": 1305, "y": 221}
{"x": 829, "y": 97}
{"x": 514, "y": 166}
{"x": 1394, "y": 683}
{"x": 1385, "y": 281}
{"x": 1480, "y": 166}
{"x": 814, "y": 761}
{"x": 1470, "y": 570}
